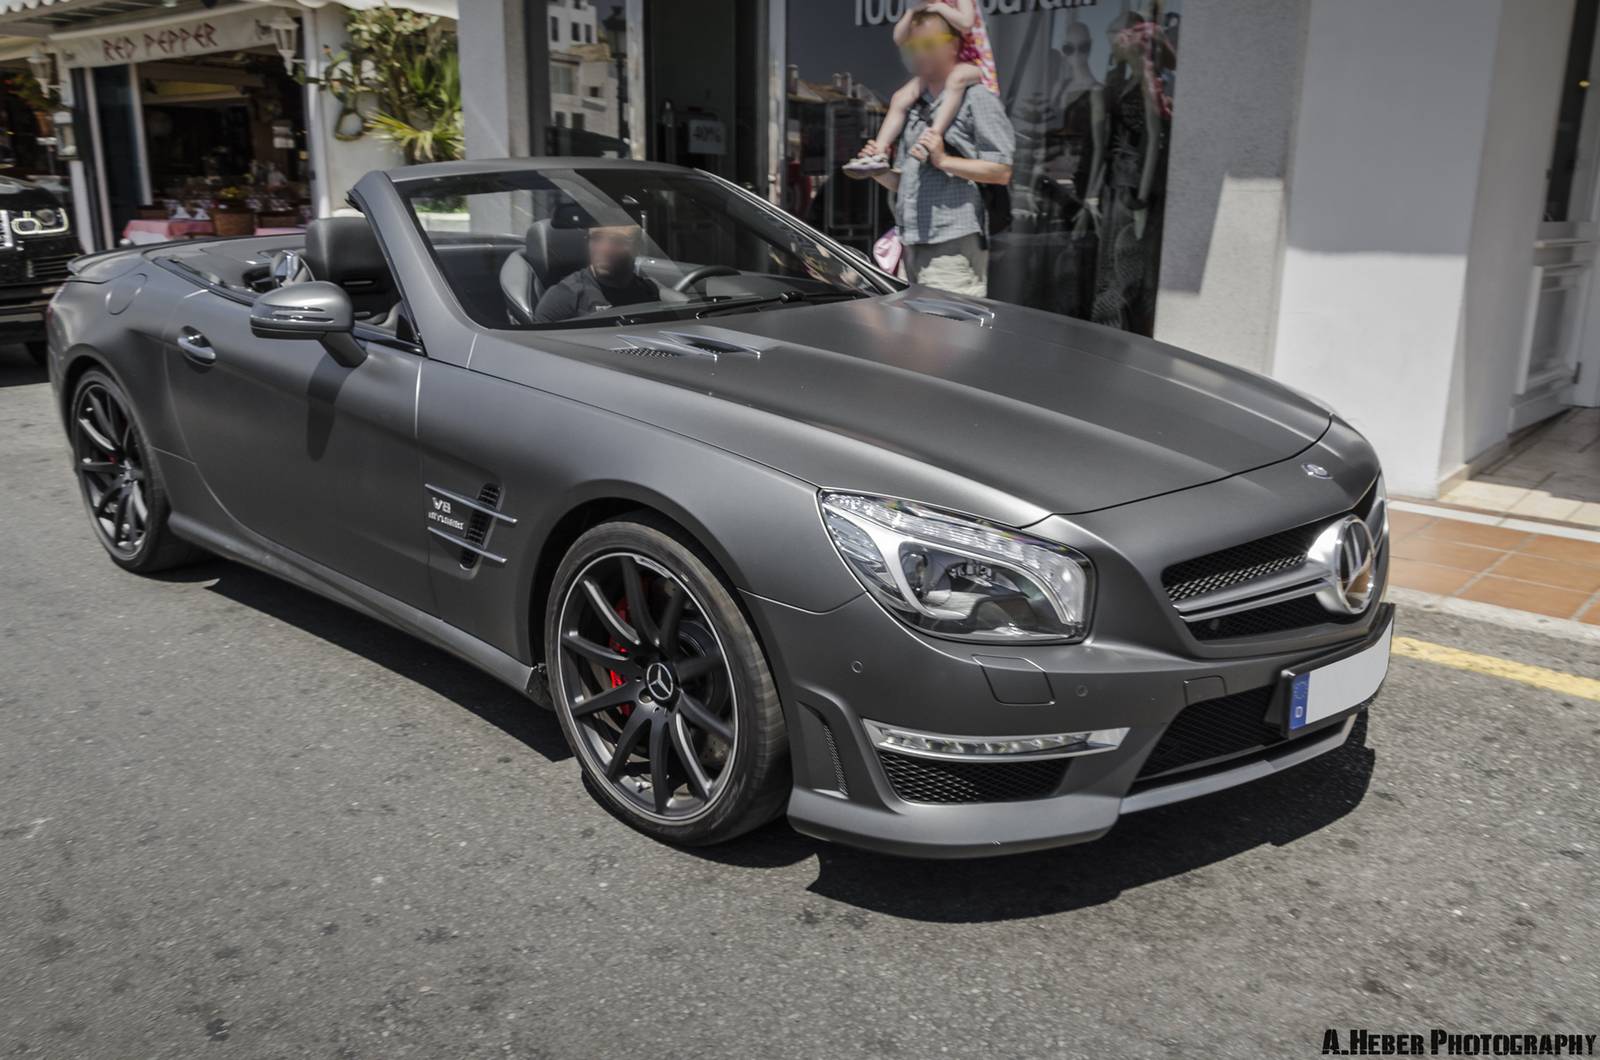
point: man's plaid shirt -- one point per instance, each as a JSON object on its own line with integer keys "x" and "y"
{"x": 932, "y": 206}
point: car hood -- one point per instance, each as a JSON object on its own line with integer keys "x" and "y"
{"x": 892, "y": 394}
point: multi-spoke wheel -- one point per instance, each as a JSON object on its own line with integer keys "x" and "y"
{"x": 661, "y": 687}
{"x": 121, "y": 487}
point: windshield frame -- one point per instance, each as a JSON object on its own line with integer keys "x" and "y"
{"x": 410, "y": 186}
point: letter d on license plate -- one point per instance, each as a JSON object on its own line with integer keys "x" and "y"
{"x": 1323, "y": 691}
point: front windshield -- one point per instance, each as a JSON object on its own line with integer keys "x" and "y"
{"x": 592, "y": 247}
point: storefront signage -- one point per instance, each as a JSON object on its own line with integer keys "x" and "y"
{"x": 234, "y": 31}
{"x": 881, "y": 12}
{"x": 707, "y": 137}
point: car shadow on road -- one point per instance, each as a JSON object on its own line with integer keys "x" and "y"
{"x": 442, "y": 673}
{"x": 19, "y": 369}
{"x": 1142, "y": 849}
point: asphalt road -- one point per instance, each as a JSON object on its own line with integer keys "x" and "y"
{"x": 238, "y": 820}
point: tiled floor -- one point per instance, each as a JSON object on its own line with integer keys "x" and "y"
{"x": 1553, "y": 472}
{"x": 1496, "y": 564}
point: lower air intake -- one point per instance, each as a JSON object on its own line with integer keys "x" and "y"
{"x": 917, "y": 779}
{"x": 1213, "y": 729}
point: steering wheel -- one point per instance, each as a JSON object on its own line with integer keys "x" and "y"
{"x": 703, "y": 273}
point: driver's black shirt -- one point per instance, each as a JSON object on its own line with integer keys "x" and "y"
{"x": 582, "y": 294}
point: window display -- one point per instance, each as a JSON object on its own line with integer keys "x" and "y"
{"x": 1088, "y": 87}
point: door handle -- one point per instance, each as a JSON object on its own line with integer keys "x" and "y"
{"x": 195, "y": 347}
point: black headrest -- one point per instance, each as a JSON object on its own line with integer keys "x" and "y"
{"x": 555, "y": 253}
{"x": 344, "y": 250}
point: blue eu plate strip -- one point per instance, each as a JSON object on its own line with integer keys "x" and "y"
{"x": 1298, "y": 696}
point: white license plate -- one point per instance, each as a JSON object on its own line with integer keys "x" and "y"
{"x": 1335, "y": 688}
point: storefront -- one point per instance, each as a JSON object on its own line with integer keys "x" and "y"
{"x": 1348, "y": 195}
{"x": 186, "y": 117}
{"x": 192, "y": 120}
{"x": 778, "y": 96}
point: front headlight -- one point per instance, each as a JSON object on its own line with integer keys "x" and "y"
{"x": 956, "y": 576}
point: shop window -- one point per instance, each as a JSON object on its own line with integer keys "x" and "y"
{"x": 592, "y": 64}
{"x": 1089, "y": 90}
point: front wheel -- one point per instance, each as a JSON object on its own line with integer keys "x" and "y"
{"x": 661, "y": 688}
{"x": 120, "y": 481}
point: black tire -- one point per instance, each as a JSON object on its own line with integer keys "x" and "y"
{"x": 39, "y": 350}
{"x": 118, "y": 479}
{"x": 724, "y": 684}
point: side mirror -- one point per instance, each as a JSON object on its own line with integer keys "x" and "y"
{"x": 315, "y": 310}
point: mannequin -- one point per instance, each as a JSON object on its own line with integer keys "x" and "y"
{"x": 1138, "y": 113}
{"x": 1081, "y": 103}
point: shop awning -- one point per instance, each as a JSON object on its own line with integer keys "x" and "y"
{"x": 25, "y": 23}
{"x": 40, "y": 18}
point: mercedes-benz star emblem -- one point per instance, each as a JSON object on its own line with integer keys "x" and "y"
{"x": 1348, "y": 555}
{"x": 660, "y": 682}
{"x": 1315, "y": 470}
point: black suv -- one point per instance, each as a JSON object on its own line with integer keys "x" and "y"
{"x": 35, "y": 246}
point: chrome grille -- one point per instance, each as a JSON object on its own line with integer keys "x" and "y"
{"x": 1264, "y": 586}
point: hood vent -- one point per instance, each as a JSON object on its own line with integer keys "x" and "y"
{"x": 683, "y": 344}
{"x": 950, "y": 309}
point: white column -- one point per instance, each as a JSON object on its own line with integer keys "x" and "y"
{"x": 1389, "y": 145}
{"x": 1226, "y": 203}
{"x": 336, "y": 165}
{"x": 498, "y": 51}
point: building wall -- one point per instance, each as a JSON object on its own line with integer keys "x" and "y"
{"x": 1226, "y": 193}
{"x": 337, "y": 164}
{"x": 1529, "y": 65}
{"x": 1384, "y": 186}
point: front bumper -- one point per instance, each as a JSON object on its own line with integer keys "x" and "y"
{"x": 850, "y": 791}
{"x": 24, "y": 296}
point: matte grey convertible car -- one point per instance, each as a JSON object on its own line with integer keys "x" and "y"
{"x": 767, "y": 530}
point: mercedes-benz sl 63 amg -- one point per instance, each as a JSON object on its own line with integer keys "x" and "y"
{"x": 768, "y": 530}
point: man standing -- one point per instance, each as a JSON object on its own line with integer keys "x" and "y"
{"x": 938, "y": 204}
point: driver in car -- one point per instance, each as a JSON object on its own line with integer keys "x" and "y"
{"x": 608, "y": 281}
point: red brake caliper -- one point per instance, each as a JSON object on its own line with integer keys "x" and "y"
{"x": 616, "y": 678}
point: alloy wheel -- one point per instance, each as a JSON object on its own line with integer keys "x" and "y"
{"x": 644, "y": 677}
{"x": 111, "y": 466}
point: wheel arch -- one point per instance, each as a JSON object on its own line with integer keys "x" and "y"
{"x": 602, "y": 502}
{"x": 76, "y": 364}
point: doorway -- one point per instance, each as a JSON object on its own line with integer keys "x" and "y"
{"x": 1562, "y": 341}
{"x": 678, "y": 81}
{"x": 705, "y": 68}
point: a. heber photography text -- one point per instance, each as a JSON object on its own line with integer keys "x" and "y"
{"x": 1436, "y": 1042}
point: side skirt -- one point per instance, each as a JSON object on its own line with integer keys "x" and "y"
{"x": 314, "y": 577}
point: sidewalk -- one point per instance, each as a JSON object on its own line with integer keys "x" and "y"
{"x": 1493, "y": 559}
{"x": 1551, "y": 472}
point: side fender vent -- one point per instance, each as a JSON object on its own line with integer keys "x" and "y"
{"x": 478, "y": 526}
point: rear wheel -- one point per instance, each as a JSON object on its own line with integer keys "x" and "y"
{"x": 121, "y": 484}
{"x": 38, "y": 350}
{"x": 661, "y": 687}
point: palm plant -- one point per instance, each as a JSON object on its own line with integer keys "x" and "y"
{"x": 407, "y": 64}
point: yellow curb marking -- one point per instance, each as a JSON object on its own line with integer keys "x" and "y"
{"x": 1550, "y": 680}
